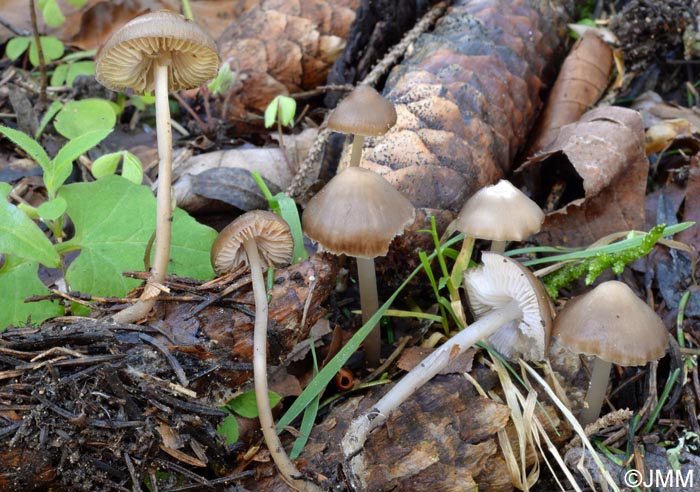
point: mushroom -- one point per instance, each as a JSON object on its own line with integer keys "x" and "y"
{"x": 260, "y": 239}
{"x": 616, "y": 327}
{"x": 358, "y": 213}
{"x": 509, "y": 300}
{"x": 159, "y": 51}
{"x": 364, "y": 113}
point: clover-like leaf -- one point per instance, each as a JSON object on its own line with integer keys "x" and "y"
{"x": 52, "y": 47}
{"x": 77, "y": 118}
{"x": 246, "y": 406}
{"x": 114, "y": 219}
{"x": 16, "y": 46}
{"x": 228, "y": 429}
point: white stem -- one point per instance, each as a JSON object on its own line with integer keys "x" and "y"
{"x": 369, "y": 302}
{"x": 356, "y": 154}
{"x": 596, "y": 391}
{"x": 498, "y": 246}
{"x": 360, "y": 428}
{"x": 289, "y": 472}
{"x": 161, "y": 255}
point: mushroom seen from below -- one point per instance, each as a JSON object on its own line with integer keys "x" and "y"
{"x": 159, "y": 51}
{"x": 358, "y": 213}
{"x": 260, "y": 239}
{"x": 616, "y": 327}
{"x": 506, "y": 298}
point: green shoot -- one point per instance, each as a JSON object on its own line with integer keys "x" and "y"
{"x": 307, "y": 421}
{"x": 662, "y": 400}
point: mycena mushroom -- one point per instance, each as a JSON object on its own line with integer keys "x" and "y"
{"x": 160, "y": 52}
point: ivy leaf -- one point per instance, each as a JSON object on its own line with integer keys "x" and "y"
{"x": 246, "y": 406}
{"x": 19, "y": 235}
{"x": 114, "y": 219}
{"x": 228, "y": 429}
{"x": 19, "y": 280}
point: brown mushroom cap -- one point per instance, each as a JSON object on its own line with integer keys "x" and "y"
{"x": 499, "y": 212}
{"x": 364, "y": 112}
{"x": 271, "y": 234}
{"x": 127, "y": 59}
{"x": 357, "y": 213}
{"x": 612, "y": 323}
{"x": 498, "y": 282}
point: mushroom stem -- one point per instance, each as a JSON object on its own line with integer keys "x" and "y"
{"x": 359, "y": 429}
{"x": 596, "y": 391}
{"x": 356, "y": 154}
{"x": 163, "y": 204}
{"x": 289, "y": 472}
{"x": 498, "y": 246}
{"x": 369, "y": 300}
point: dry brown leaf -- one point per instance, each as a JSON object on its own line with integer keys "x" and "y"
{"x": 600, "y": 165}
{"x": 581, "y": 81}
{"x": 413, "y": 356}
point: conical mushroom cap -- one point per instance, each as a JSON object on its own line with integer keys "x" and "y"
{"x": 127, "y": 59}
{"x": 612, "y": 323}
{"x": 270, "y": 232}
{"x": 498, "y": 282}
{"x": 357, "y": 213}
{"x": 500, "y": 212}
{"x": 364, "y": 112}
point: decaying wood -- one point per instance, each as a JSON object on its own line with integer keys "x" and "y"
{"x": 282, "y": 47}
{"x": 582, "y": 80}
{"x": 465, "y": 98}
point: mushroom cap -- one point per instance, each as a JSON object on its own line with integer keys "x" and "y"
{"x": 364, "y": 112}
{"x": 499, "y": 212}
{"x": 127, "y": 59}
{"x": 612, "y": 323}
{"x": 357, "y": 213}
{"x": 271, "y": 234}
{"x": 499, "y": 281}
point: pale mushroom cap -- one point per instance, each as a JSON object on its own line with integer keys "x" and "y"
{"x": 364, "y": 112}
{"x": 271, "y": 234}
{"x": 612, "y": 323}
{"x": 499, "y": 281}
{"x": 500, "y": 212}
{"x": 127, "y": 59}
{"x": 357, "y": 213}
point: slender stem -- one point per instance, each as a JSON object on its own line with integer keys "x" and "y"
{"x": 369, "y": 301}
{"x": 480, "y": 330}
{"x": 356, "y": 150}
{"x": 163, "y": 204}
{"x": 187, "y": 10}
{"x": 40, "y": 52}
{"x": 262, "y": 397}
{"x": 596, "y": 391}
{"x": 498, "y": 246}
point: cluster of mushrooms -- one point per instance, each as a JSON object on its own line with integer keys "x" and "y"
{"x": 358, "y": 213}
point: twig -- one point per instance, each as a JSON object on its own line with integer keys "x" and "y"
{"x": 177, "y": 368}
{"x": 15, "y": 30}
{"x": 202, "y": 126}
{"x": 40, "y": 52}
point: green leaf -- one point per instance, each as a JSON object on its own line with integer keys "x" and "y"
{"x": 289, "y": 212}
{"x": 223, "y": 81}
{"x": 245, "y": 404}
{"x": 19, "y": 235}
{"x": 77, "y": 3}
{"x": 29, "y": 145}
{"x": 228, "y": 429}
{"x": 61, "y": 165}
{"x": 48, "y": 116}
{"x": 16, "y": 46}
{"x": 114, "y": 219}
{"x": 19, "y": 280}
{"x": 52, "y": 209}
{"x": 52, "y": 12}
{"x": 271, "y": 112}
{"x": 287, "y": 108}
{"x": 132, "y": 168}
{"x": 106, "y": 164}
{"x": 58, "y": 77}
{"x": 53, "y": 50}
{"x": 80, "y": 117}
{"x": 79, "y": 68}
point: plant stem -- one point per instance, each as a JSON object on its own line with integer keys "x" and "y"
{"x": 163, "y": 204}
{"x": 40, "y": 52}
{"x": 498, "y": 246}
{"x": 596, "y": 391}
{"x": 369, "y": 300}
{"x": 187, "y": 10}
{"x": 356, "y": 150}
{"x": 359, "y": 429}
{"x": 262, "y": 398}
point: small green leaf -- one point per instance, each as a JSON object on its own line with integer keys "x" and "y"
{"x": 106, "y": 164}
{"x": 29, "y": 145}
{"x": 61, "y": 165}
{"x": 223, "y": 81}
{"x": 53, "y": 50}
{"x": 52, "y": 13}
{"x": 19, "y": 280}
{"x": 48, "y": 116}
{"x": 132, "y": 168}
{"x": 77, "y": 3}
{"x": 287, "y": 108}
{"x": 79, "y": 68}
{"x": 271, "y": 112}
{"x": 16, "y": 46}
{"x": 52, "y": 209}
{"x": 20, "y": 236}
{"x": 245, "y": 404}
{"x": 86, "y": 115}
{"x": 58, "y": 77}
{"x": 228, "y": 429}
